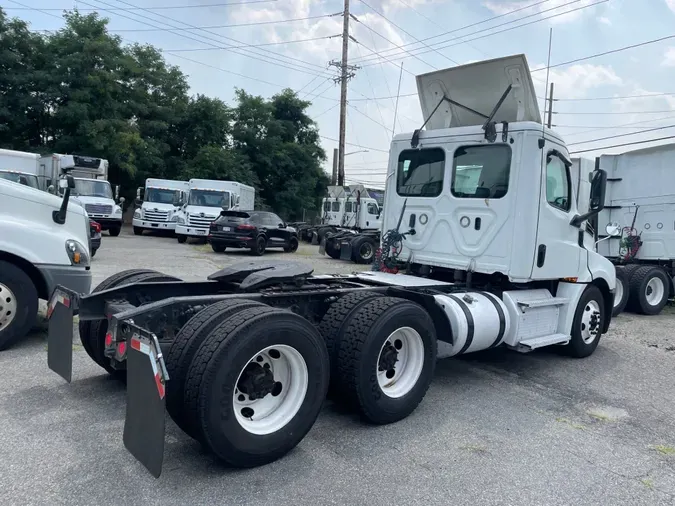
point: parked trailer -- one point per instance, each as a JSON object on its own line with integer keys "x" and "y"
{"x": 636, "y": 230}
{"x": 243, "y": 361}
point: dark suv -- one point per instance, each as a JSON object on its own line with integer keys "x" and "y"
{"x": 256, "y": 230}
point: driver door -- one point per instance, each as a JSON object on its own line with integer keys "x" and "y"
{"x": 557, "y": 252}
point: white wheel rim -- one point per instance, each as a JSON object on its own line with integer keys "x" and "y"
{"x": 7, "y": 306}
{"x": 398, "y": 377}
{"x": 275, "y": 409}
{"x": 590, "y": 322}
{"x": 655, "y": 291}
{"x": 618, "y": 292}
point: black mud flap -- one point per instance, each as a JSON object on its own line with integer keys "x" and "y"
{"x": 144, "y": 424}
{"x": 315, "y": 238}
{"x": 322, "y": 246}
{"x": 346, "y": 250}
{"x": 60, "y": 308}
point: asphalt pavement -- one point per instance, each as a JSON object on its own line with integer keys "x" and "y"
{"x": 496, "y": 428}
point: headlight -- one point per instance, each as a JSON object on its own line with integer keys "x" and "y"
{"x": 137, "y": 214}
{"x": 77, "y": 253}
{"x": 117, "y": 210}
{"x": 175, "y": 218}
{"x": 181, "y": 220}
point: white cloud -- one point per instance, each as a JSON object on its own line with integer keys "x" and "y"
{"x": 504, "y": 6}
{"x": 605, "y": 21}
{"x": 577, "y": 80}
{"x": 669, "y": 56}
{"x": 671, "y": 4}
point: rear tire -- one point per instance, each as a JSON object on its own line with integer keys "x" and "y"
{"x": 115, "y": 231}
{"x": 587, "y": 325}
{"x": 181, "y": 238}
{"x": 138, "y": 231}
{"x": 383, "y": 389}
{"x": 18, "y": 304}
{"x": 363, "y": 250}
{"x": 218, "y": 248}
{"x": 182, "y": 351}
{"x": 621, "y": 292}
{"x": 332, "y": 249}
{"x": 649, "y": 290}
{"x": 295, "y": 366}
{"x": 258, "y": 249}
{"x": 334, "y": 324}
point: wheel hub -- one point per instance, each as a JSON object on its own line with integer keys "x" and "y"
{"x": 388, "y": 357}
{"x": 256, "y": 381}
{"x": 8, "y": 306}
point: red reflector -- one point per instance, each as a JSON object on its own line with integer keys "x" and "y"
{"x": 108, "y": 340}
{"x": 245, "y": 227}
{"x": 122, "y": 348}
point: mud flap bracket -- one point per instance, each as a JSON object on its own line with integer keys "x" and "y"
{"x": 144, "y": 424}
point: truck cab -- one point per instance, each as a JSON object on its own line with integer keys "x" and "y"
{"x": 20, "y": 177}
{"x": 206, "y": 198}
{"x": 44, "y": 242}
{"x": 158, "y": 208}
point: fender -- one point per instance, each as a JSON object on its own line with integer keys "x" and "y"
{"x": 20, "y": 238}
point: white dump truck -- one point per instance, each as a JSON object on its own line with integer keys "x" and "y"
{"x": 44, "y": 243}
{"x": 206, "y": 198}
{"x": 20, "y": 167}
{"x": 92, "y": 189}
{"x": 243, "y": 361}
{"x": 158, "y": 204}
{"x": 636, "y": 229}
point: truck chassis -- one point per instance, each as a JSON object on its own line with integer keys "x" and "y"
{"x": 347, "y": 244}
{"x": 243, "y": 361}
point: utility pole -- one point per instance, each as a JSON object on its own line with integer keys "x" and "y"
{"x": 549, "y": 121}
{"x": 333, "y": 179}
{"x": 346, "y": 72}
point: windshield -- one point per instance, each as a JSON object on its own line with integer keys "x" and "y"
{"x": 21, "y": 178}
{"x": 91, "y": 188}
{"x": 209, "y": 198}
{"x": 161, "y": 195}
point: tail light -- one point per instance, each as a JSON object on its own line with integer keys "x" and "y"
{"x": 246, "y": 226}
{"x": 213, "y": 226}
{"x": 96, "y": 226}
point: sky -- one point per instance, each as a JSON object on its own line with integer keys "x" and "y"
{"x": 264, "y": 46}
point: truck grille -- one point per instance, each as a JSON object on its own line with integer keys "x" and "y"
{"x": 200, "y": 222}
{"x": 98, "y": 208}
{"x": 158, "y": 216}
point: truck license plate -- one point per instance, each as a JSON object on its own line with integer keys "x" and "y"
{"x": 200, "y": 232}
{"x": 226, "y": 229}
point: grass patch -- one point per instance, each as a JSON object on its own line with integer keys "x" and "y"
{"x": 473, "y": 448}
{"x": 664, "y": 450}
{"x": 572, "y": 424}
{"x": 647, "y": 482}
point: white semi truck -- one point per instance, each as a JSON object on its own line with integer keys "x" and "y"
{"x": 636, "y": 229}
{"x": 20, "y": 167}
{"x": 243, "y": 361}
{"x": 206, "y": 198}
{"x": 158, "y": 209}
{"x": 92, "y": 188}
{"x": 44, "y": 242}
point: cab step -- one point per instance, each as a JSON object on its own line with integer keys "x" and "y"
{"x": 540, "y": 342}
{"x": 545, "y": 302}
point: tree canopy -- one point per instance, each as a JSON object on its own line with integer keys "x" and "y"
{"x": 80, "y": 90}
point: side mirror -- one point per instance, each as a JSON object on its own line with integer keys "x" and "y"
{"x": 236, "y": 200}
{"x": 51, "y": 188}
{"x": 122, "y": 200}
{"x": 59, "y": 216}
{"x": 613, "y": 230}
{"x": 282, "y": 225}
{"x": 598, "y": 187}
{"x": 597, "y": 198}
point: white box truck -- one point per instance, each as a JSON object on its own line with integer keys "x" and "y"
{"x": 636, "y": 229}
{"x": 92, "y": 188}
{"x": 157, "y": 204}
{"x": 206, "y": 198}
{"x": 44, "y": 242}
{"x": 243, "y": 361}
{"x": 20, "y": 167}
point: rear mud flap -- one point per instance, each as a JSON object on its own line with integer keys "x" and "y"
{"x": 144, "y": 424}
{"x": 315, "y": 238}
{"x": 322, "y": 246}
{"x": 346, "y": 250}
{"x": 60, "y": 308}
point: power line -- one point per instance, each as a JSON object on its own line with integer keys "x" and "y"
{"x": 252, "y": 55}
{"x": 439, "y": 46}
{"x": 621, "y": 135}
{"x": 235, "y": 25}
{"x": 386, "y": 98}
{"x": 646, "y": 95}
{"x": 582, "y": 113}
{"x": 622, "y": 125}
{"x": 387, "y": 59}
{"x": 355, "y": 145}
{"x": 622, "y": 145}
{"x": 409, "y": 35}
{"x": 163, "y": 7}
{"x": 251, "y": 45}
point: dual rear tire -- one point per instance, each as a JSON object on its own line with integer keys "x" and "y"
{"x": 643, "y": 289}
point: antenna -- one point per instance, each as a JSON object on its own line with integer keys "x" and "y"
{"x": 548, "y": 70}
{"x": 398, "y": 94}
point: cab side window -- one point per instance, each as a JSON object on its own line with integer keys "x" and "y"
{"x": 348, "y": 207}
{"x": 336, "y": 207}
{"x": 558, "y": 187}
{"x": 372, "y": 208}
